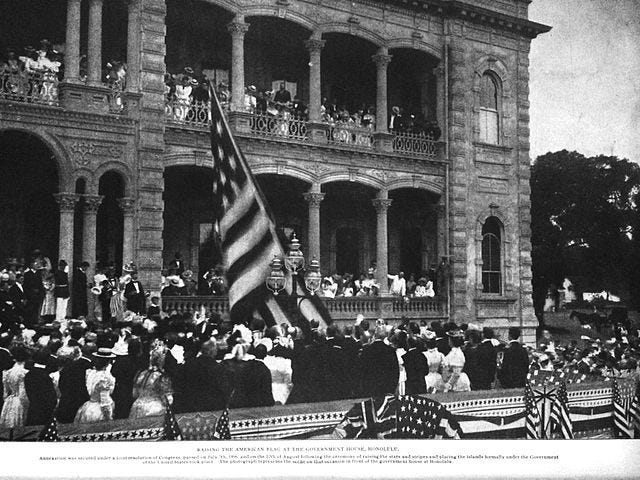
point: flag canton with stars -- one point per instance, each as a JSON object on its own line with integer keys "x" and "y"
{"x": 223, "y": 432}
{"x": 417, "y": 418}
{"x": 532, "y": 415}
{"x": 50, "y": 432}
{"x": 171, "y": 427}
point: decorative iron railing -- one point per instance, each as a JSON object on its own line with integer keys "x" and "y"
{"x": 116, "y": 98}
{"x": 422, "y": 145}
{"x": 349, "y": 135}
{"x": 340, "y": 308}
{"x": 29, "y": 86}
{"x": 194, "y": 113}
{"x": 282, "y": 125}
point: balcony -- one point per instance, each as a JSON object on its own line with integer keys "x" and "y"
{"x": 341, "y": 309}
{"x": 195, "y": 115}
{"x": 42, "y": 88}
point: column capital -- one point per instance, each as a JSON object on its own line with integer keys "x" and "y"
{"x": 66, "y": 201}
{"x": 314, "y": 44}
{"x": 381, "y": 204}
{"x": 381, "y": 59}
{"x": 127, "y": 204}
{"x": 237, "y": 28}
{"x": 313, "y": 199}
{"x": 92, "y": 202}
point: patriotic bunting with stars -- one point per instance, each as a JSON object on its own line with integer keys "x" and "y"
{"x": 560, "y": 418}
{"x": 621, "y": 413}
{"x": 532, "y": 415}
{"x": 223, "y": 432}
{"x": 50, "y": 432}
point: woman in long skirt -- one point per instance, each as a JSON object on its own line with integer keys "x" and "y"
{"x": 15, "y": 405}
{"x": 100, "y": 384}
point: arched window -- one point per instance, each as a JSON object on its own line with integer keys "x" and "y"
{"x": 491, "y": 256}
{"x": 489, "y": 103}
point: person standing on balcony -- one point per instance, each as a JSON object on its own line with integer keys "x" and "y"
{"x": 62, "y": 291}
{"x": 282, "y": 95}
{"x": 395, "y": 122}
{"x": 398, "y": 284}
{"x": 176, "y": 267}
{"x": 134, "y": 293}
{"x": 79, "y": 307}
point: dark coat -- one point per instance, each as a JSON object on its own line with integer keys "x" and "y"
{"x": 332, "y": 372}
{"x": 73, "y": 389}
{"x": 250, "y": 384}
{"x": 485, "y": 369}
{"x": 205, "y": 386}
{"x": 515, "y": 366}
{"x": 34, "y": 293}
{"x": 61, "y": 289}
{"x": 136, "y": 301}
{"x": 124, "y": 370}
{"x": 417, "y": 367}
{"x": 79, "y": 306}
{"x": 379, "y": 370}
{"x": 443, "y": 345}
{"x": 304, "y": 375}
{"x": 17, "y": 296}
{"x": 42, "y": 396}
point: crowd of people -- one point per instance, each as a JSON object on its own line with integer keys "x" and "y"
{"x": 131, "y": 359}
{"x": 186, "y": 92}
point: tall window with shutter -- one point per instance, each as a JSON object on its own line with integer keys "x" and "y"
{"x": 492, "y": 256}
{"x": 489, "y": 114}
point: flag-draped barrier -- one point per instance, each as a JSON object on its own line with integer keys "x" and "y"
{"x": 479, "y": 414}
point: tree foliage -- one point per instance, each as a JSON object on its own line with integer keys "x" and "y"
{"x": 585, "y": 223}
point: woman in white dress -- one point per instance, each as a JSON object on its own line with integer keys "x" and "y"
{"x": 435, "y": 359}
{"x": 399, "y": 342}
{"x": 455, "y": 380}
{"x": 100, "y": 385}
{"x": 280, "y": 369}
{"x": 16, "y": 402}
{"x": 183, "y": 98}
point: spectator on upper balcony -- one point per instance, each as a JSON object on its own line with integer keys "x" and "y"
{"x": 300, "y": 110}
{"x": 369, "y": 119}
{"x": 396, "y": 120}
{"x": 398, "y": 284}
{"x": 250, "y": 101}
{"x": 282, "y": 95}
{"x": 116, "y": 75}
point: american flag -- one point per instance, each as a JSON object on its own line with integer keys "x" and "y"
{"x": 50, "y": 432}
{"x": 405, "y": 416}
{"x": 560, "y": 418}
{"x": 223, "y": 432}
{"x": 424, "y": 418}
{"x": 247, "y": 235}
{"x": 532, "y": 415}
{"x": 171, "y": 428}
{"x": 635, "y": 411}
{"x": 621, "y": 413}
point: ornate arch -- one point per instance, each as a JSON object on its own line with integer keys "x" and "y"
{"x": 415, "y": 44}
{"x": 495, "y": 67}
{"x": 229, "y": 5}
{"x": 289, "y": 15}
{"x": 351, "y": 29}
{"x": 283, "y": 170}
{"x": 113, "y": 166}
{"x": 350, "y": 176}
{"x": 66, "y": 183}
{"x": 416, "y": 182}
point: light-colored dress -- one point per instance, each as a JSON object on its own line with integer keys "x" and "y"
{"x": 402, "y": 375}
{"x": 49, "y": 302}
{"x": 16, "y": 402}
{"x": 150, "y": 388}
{"x": 183, "y": 100}
{"x": 281, "y": 384}
{"x": 100, "y": 384}
{"x": 433, "y": 379}
{"x": 454, "y": 378}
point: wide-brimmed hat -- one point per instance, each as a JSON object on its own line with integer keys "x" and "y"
{"x": 455, "y": 333}
{"x": 187, "y": 274}
{"x": 395, "y": 110}
{"x": 130, "y": 267}
{"x": 104, "y": 353}
{"x": 188, "y": 70}
{"x": 252, "y": 88}
{"x": 120, "y": 349}
{"x": 176, "y": 281}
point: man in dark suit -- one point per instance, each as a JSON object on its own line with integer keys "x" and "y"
{"x": 40, "y": 391}
{"x": 416, "y": 366}
{"x": 379, "y": 369}
{"x": 79, "y": 307}
{"x": 486, "y": 362}
{"x": 334, "y": 375}
{"x": 135, "y": 296}
{"x": 73, "y": 386}
{"x": 515, "y": 363}
{"x": 206, "y": 385}
{"x": 34, "y": 293}
{"x": 305, "y": 374}
{"x": 17, "y": 296}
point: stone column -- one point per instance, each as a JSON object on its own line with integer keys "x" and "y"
{"x": 313, "y": 234}
{"x": 441, "y": 227}
{"x": 128, "y": 236}
{"x": 238, "y": 28}
{"x": 94, "y": 50}
{"x": 67, "y": 203}
{"x": 133, "y": 45}
{"x": 91, "y": 205}
{"x": 72, "y": 42}
{"x": 314, "y": 45}
{"x": 382, "y": 204}
{"x": 382, "y": 60}
{"x": 441, "y": 101}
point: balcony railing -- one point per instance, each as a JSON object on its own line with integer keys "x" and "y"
{"x": 190, "y": 113}
{"x": 340, "y": 308}
{"x": 417, "y": 144}
{"x": 278, "y": 126}
{"x": 29, "y": 86}
{"x": 350, "y": 135}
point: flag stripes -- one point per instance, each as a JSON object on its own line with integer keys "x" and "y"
{"x": 621, "y": 415}
{"x": 635, "y": 411}
{"x": 532, "y": 415}
{"x": 247, "y": 235}
{"x": 560, "y": 418}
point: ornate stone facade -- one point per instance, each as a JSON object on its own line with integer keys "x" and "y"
{"x": 468, "y": 181}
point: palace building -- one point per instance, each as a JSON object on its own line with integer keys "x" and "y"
{"x": 106, "y": 166}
